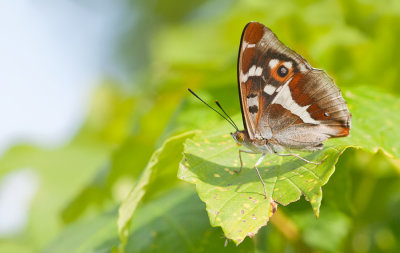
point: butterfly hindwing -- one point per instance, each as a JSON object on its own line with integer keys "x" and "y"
{"x": 284, "y": 99}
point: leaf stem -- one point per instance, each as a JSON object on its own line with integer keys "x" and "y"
{"x": 285, "y": 226}
{"x": 289, "y": 230}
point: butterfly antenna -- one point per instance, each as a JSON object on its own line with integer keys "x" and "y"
{"x": 220, "y": 107}
{"x": 194, "y": 94}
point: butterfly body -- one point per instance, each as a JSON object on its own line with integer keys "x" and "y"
{"x": 265, "y": 146}
{"x": 255, "y": 145}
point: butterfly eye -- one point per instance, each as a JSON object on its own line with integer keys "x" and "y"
{"x": 282, "y": 71}
{"x": 240, "y": 137}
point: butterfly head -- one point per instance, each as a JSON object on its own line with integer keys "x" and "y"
{"x": 240, "y": 137}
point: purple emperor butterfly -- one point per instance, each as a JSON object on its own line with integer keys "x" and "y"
{"x": 286, "y": 104}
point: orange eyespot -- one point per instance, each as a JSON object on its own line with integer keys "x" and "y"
{"x": 281, "y": 70}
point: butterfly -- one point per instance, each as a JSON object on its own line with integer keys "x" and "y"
{"x": 286, "y": 104}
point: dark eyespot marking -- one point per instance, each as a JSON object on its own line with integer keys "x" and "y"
{"x": 253, "y": 109}
{"x": 326, "y": 114}
{"x": 252, "y": 95}
{"x": 282, "y": 71}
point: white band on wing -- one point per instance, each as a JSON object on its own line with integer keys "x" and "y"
{"x": 285, "y": 99}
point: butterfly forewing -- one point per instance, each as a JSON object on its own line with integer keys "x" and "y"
{"x": 283, "y": 99}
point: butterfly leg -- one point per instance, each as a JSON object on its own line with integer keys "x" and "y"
{"x": 301, "y": 158}
{"x": 240, "y": 158}
{"x": 259, "y": 175}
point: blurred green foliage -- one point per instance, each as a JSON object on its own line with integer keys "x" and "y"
{"x": 170, "y": 47}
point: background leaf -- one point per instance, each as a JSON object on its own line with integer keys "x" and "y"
{"x": 173, "y": 221}
{"x": 158, "y": 166}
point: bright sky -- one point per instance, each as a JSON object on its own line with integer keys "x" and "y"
{"x": 52, "y": 53}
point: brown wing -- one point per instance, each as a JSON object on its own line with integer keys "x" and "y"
{"x": 299, "y": 107}
{"x": 307, "y": 111}
{"x": 261, "y": 55}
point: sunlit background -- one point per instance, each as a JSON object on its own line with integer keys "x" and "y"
{"x": 53, "y": 56}
{"x": 89, "y": 89}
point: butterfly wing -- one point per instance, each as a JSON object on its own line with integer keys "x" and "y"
{"x": 308, "y": 110}
{"x": 260, "y": 56}
{"x": 283, "y": 99}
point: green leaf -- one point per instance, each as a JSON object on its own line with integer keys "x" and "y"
{"x": 161, "y": 166}
{"x": 175, "y": 221}
{"x": 236, "y": 202}
{"x": 375, "y": 122}
{"x": 97, "y": 234}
